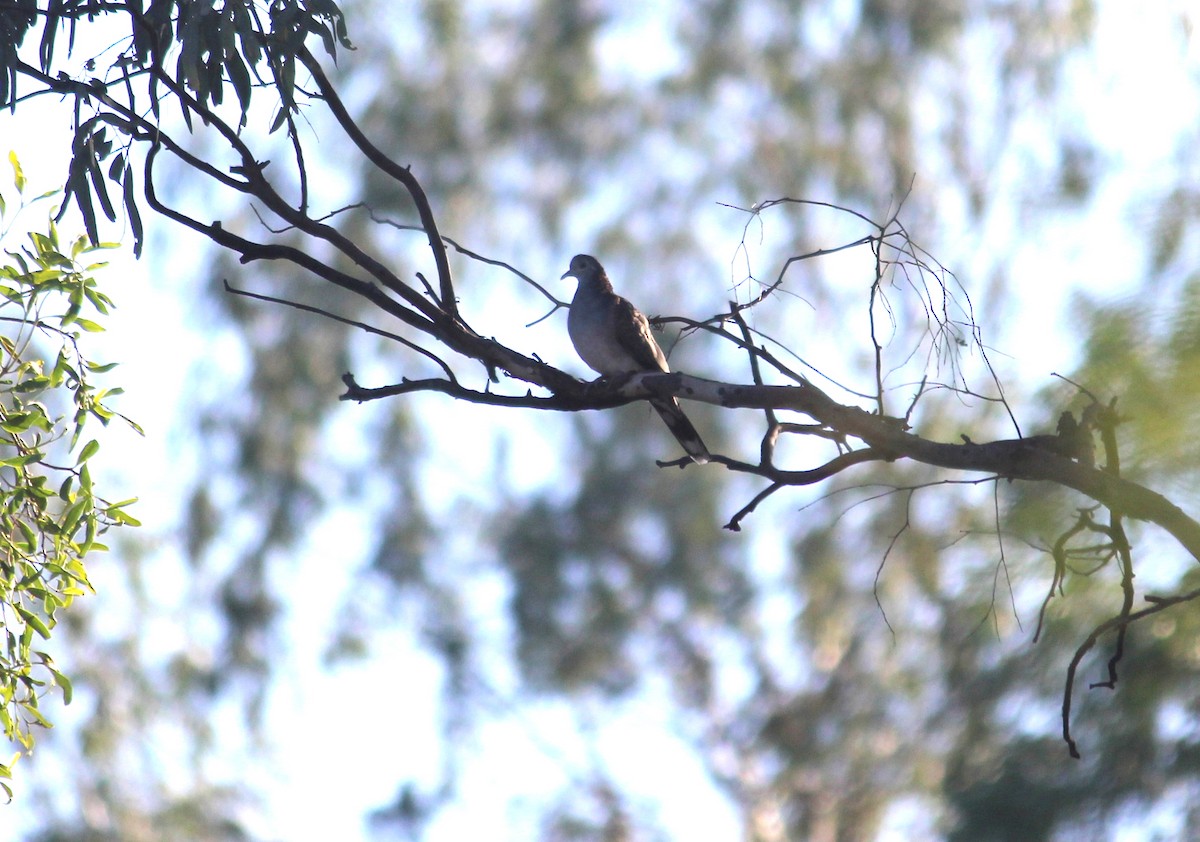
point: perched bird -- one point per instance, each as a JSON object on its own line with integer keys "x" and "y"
{"x": 613, "y": 337}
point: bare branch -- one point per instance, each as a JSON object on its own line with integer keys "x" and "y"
{"x": 402, "y": 174}
{"x": 1158, "y": 603}
{"x": 735, "y": 522}
{"x": 351, "y": 322}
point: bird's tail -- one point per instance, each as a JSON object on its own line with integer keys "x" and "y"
{"x": 680, "y": 427}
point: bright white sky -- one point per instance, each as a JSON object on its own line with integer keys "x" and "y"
{"x": 1135, "y": 90}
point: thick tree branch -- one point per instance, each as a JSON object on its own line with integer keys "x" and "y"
{"x": 1027, "y": 459}
{"x": 1037, "y": 459}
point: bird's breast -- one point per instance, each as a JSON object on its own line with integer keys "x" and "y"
{"x": 594, "y": 341}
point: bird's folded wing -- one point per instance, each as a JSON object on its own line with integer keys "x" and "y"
{"x": 632, "y": 332}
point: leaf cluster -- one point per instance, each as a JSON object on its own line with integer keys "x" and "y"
{"x": 51, "y": 516}
{"x": 190, "y": 52}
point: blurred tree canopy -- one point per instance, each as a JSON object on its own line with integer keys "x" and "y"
{"x": 857, "y": 665}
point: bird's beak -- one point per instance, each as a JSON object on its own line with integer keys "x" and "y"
{"x": 565, "y": 275}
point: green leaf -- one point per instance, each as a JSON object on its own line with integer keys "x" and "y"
{"x": 35, "y": 622}
{"x": 29, "y": 542}
{"x": 37, "y": 488}
{"x": 124, "y": 518}
{"x": 62, "y": 367}
{"x": 6, "y": 768}
{"x": 17, "y": 422}
{"x": 33, "y": 384}
{"x": 89, "y": 325}
{"x": 68, "y": 318}
{"x": 89, "y": 450}
{"x": 71, "y": 518}
{"x": 65, "y": 683}
{"x": 23, "y": 459}
{"x": 38, "y": 417}
{"x": 31, "y": 710}
{"x": 18, "y": 173}
{"x": 99, "y": 300}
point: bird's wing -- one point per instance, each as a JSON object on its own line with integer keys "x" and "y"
{"x": 632, "y": 332}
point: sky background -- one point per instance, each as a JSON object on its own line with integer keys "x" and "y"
{"x": 1135, "y": 89}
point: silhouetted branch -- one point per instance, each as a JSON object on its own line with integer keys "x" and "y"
{"x": 402, "y": 174}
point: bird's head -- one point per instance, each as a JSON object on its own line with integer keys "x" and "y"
{"x": 584, "y": 267}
